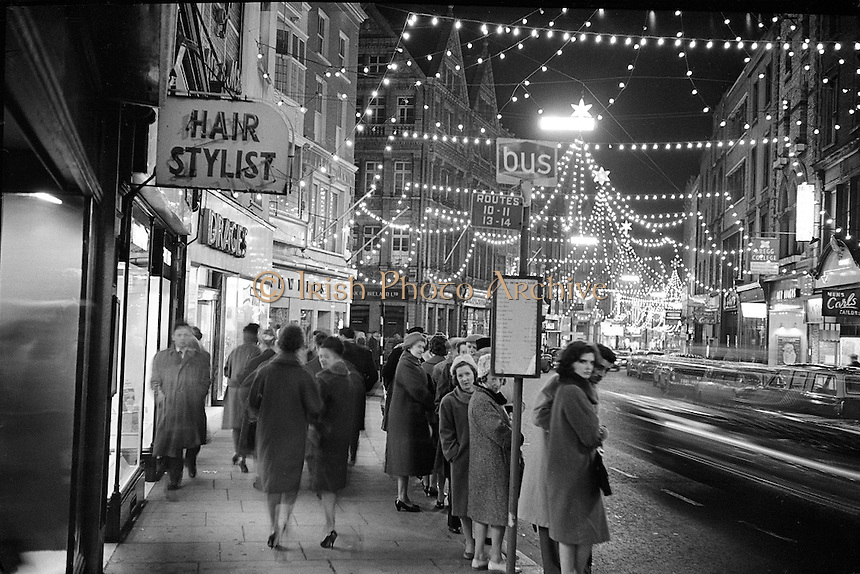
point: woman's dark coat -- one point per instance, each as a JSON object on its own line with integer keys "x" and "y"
{"x": 409, "y": 449}
{"x": 577, "y": 514}
{"x": 337, "y": 387}
{"x": 489, "y": 458}
{"x": 454, "y": 439}
{"x": 284, "y": 398}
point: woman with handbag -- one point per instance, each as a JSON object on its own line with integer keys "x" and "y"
{"x": 577, "y": 517}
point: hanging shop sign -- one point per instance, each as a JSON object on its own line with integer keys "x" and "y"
{"x": 730, "y": 302}
{"x": 805, "y": 212}
{"x": 841, "y": 303}
{"x": 222, "y": 234}
{"x": 497, "y": 211}
{"x": 222, "y": 144}
{"x": 526, "y": 160}
{"x": 764, "y": 256}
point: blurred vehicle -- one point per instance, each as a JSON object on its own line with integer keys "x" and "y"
{"x": 810, "y": 389}
{"x": 622, "y": 356}
{"x": 681, "y": 377}
{"x": 811, "y": 460}
{"x": 643, "y": 365}
{"x": 549, "y": 359}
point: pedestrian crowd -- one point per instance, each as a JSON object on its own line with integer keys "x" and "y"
{"x": 447, "y": 421}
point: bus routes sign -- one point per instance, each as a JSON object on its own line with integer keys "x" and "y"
{"x": 497, "y": 211}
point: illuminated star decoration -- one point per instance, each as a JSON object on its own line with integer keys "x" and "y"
{"x": 580, "y": 110}
{"x": 626, "y": 227}
{"x": 601, "y": 177}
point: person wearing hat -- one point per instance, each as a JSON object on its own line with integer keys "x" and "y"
{"x": 854, "y": 362}
{"x": 234, "y": 368}
{"x": 390, "y": 368}
{"x": 408, "y": 446}
{"x": 454, "y": 439}
{"x": 490, "y": 439}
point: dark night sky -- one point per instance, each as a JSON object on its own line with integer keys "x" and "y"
{"x": 657, "y": 104}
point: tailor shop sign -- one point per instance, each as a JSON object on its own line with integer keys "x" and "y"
{"x": 221, "y": 144}
{"x": 841, "y": 303}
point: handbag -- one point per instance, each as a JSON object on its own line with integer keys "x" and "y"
{"x": 247, "y": 437}
{"x": 600, "y": 474}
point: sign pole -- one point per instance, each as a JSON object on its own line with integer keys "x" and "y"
{"x": 517, "y": 425}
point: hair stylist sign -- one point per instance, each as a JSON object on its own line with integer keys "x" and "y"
{"x": 222, "y": 144}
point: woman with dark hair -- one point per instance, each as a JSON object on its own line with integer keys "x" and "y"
{"x": 489, "y": 467}
{"x": 577, "y": 517}
{"x": 408, "y": 446}
{"x": 338, "y": 385}
{"x": 454, "y": 439}
{"x": 249, "y": 423}
{"x": 285, "y": 400}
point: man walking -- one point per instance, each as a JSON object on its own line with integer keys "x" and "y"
{"x": 361, "y": 359}
{"x": 234, "y": 370}
{"x": 180, "y": 381}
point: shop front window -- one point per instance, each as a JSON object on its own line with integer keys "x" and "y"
{"x": 127, "y": 403}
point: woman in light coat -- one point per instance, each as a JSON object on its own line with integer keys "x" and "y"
{"x": 454, "y": 440}
{"x": 577, "y": 515}
{"x": 408, "y": 447}
{"x": 285, "y": 400}
{"x": 489, "y": 468}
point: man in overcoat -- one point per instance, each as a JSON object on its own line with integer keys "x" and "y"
{"x": 180, "y": 381}
{"x": 361, "y": 359}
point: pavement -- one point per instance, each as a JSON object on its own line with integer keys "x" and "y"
{"x": 217, "y": 522}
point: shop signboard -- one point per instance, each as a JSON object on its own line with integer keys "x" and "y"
{"x": 222, "y": 234}
{"x": 526, "y": 160}
{"x": 673, "y": 315}
{"x": 222, "y": 144}
{"x": 497, "y": 211}
{"x": 764, "y": 256}
{"x": 730, "y": 302}
{"x": 841, "y": 303}
{"x": 516, "y": 332}
{"x": 806, "y": 212}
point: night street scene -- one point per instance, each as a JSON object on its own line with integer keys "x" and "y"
{"x": 319, "y": 287}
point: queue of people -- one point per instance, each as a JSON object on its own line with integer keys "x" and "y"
{"x": 446, "y": 425}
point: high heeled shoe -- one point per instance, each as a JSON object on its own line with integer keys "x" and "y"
{"x": 242, "y": 466}
{"x": 235, "y": 458}
{"x": 328, "y": 541}
{"x": 272, "y": 539}
{"x": 400, "y": 505}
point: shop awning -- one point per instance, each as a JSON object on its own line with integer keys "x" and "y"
{"x": 839, "y": 265}
{"x": 750, "y": 293}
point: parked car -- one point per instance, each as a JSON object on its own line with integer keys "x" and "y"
{"x": 621, "y": 358}
{"x": 549, "y": 359}
{"x": 821, "y": 390}
{"x": 646, "y": 364}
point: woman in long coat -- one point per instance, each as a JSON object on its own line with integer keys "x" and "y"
{"x": 234, "y": 369}
{"x": 489, "y": 467}
{"x": 338, "y": 385}
{"x": 408, "y": 447}
{"x": 284, "y": 398}
{"x": 577, "y": 515}
{"x": 454, "y": 440}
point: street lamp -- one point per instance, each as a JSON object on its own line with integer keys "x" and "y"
{"x": 580, "y": 121}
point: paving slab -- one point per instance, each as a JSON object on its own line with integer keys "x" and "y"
{"x": 217, "y": 522}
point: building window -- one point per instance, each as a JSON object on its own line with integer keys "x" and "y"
{"x": 322, "y": 29}
{"x": 830, "y": 108}
{"x": 370, "y": 256}
{"x": 372, "y": 176}
{"x": 319, "y": 112}
{"x": 343, "y": 50}
{"x": 753, "y": 171}
{"x": 768, "y": 73}
{"x": 399, "y": 247}
{"x": 289, "y": 64}
{"x": 377, "y": 64}
{"x": 406, "y": 109}
{"x": 375, "y": 112}
{"x": 402, "y": 175}
{"x": 735, "y": 183}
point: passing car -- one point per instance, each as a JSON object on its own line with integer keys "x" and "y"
{"x": 549, "y": 359}
{"x": 621, "y": 358}
{"x": 821, "y": 390}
